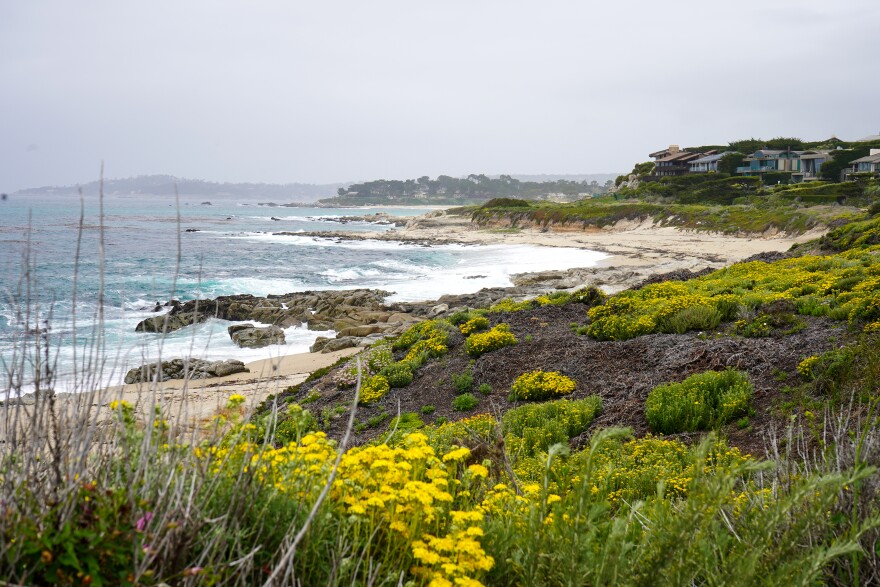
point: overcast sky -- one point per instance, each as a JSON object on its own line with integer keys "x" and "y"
{"x": 282, "y": 91}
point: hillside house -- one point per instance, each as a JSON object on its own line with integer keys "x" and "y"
{"x": 868, "y": 164}
{"x": 706, "y": 163}
{"x": 674, "y": 161}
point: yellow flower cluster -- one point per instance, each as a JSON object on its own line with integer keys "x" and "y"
{"x": 422, "y": 331}
{"x": 632, "y": 470}
{"x": 805, "y": 367}
{"x": 844, "y": 286}
{"x": 474, "y": 325}
{"x": 374, "y": 389}
{"x": 433, "y": 347}
{"x": 538, "y": 385}
{"x": 508, "y": 305}
{"x": 496, "y": 338}
{"x": 121, "y": 404}
{"x": 419, "y": 501}
{"x": 452, "y": 559}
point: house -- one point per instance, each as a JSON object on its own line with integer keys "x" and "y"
{"x": 867, "y": 164}
{"x": 811, "y": 164}
{"x": 673, "y": 161}
{"x": 706, "y": 163}
{"x": 771, "y": 161}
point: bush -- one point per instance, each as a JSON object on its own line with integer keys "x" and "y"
{"x": 463, "y": 382}
{"x": 508, "y": 305}
{"x": 398, "y": 374}
{"x": 374, "y": 389}
{"x": 372, "y": 360}
{"x": 589, "y": 296}
{"x": 693, "y": 318}
{"x": 506, "y": 203}
{"x": 476, "y": 324}
{"x": 294, "y": 425}
{"x": 538, "y": 385}
{"x": 700, "y": 402}
{"x": 491, "y": 340}
{"x": 427, "y": 409}
{"x": 485, "y": 388}
{"x": 465, "y": 402}
{"x": 430, "y": 334}
{"x": 534, "y": 428}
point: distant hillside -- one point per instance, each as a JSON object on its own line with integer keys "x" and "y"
{"x": 470, "y": 190}
{"x": 165, "y": 185}
{"x": 599, "y": 178}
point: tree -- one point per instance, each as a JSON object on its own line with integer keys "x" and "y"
{"x": 831, "y": 169}
{"x": 729, "y": 162}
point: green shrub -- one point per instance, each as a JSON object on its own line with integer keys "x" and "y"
{"x": 491, "y": 340}
{"x": 295, "y": 424}
{"x": 693, "y": 318}
{"x": 398, "y": 374}
{"x": 465, "y": 402}
{"x": 427, "y": 409}
{"x": 538, "y": 385}
{"x": 371, "y": 361}
{"x": 506, "y": 203}
{"x": 589, "y": 296}
{"x": 463, "y": 382}
{"x": 485, "y": 388}
{"x": 700, "y": 402}
{"x": 460, "y": 317}
{"x": 534, "y": 428}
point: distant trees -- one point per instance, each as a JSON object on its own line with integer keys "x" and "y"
{"x": 473, "y": 187}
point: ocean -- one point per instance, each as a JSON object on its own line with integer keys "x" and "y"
{"x": 149, "y": 256}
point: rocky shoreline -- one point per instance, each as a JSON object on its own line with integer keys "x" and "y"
{"x": 360, "y": 317}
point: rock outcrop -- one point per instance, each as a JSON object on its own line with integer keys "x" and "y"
{"x": 184, "y": 369}
{"x": 254, "y": 337}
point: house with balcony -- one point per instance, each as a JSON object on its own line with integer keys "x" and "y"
{"x": 674, "y": 161}
{"x": 772, "y": 161}
{"x": 706, "y": 163}
{"x": 869, "y": 164}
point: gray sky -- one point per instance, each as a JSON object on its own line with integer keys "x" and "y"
{"x": 282, "y": 91}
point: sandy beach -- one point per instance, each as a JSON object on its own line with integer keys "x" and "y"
{"x": 185, "y": 404}
{"x": 636, "y": 250}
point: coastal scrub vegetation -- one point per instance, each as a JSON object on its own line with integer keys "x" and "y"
{"x": 497, "y": 337}
{"x": 540, "y": 385}
{"x": 843, "y": 286}
{"x": 552, "y": 492}
{"x": 701, "y": 402}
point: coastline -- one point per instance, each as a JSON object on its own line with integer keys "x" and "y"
{"x": 186, "y": 404}
{"x": 636, "y": 251}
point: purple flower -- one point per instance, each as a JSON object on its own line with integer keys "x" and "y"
{"x": 143, "y": 521}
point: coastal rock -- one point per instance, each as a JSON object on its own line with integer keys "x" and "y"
{"x": 184, "y": 369}
{"x": 253, "y": 337}
{"x": 169, "y": 322}
{"x": 320, "y": 309}
{"x": 328, "y": 345}
{"x": 438, "y": 310}
{"x": 25, "y": 399}
{"x": 361, "y": 331}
